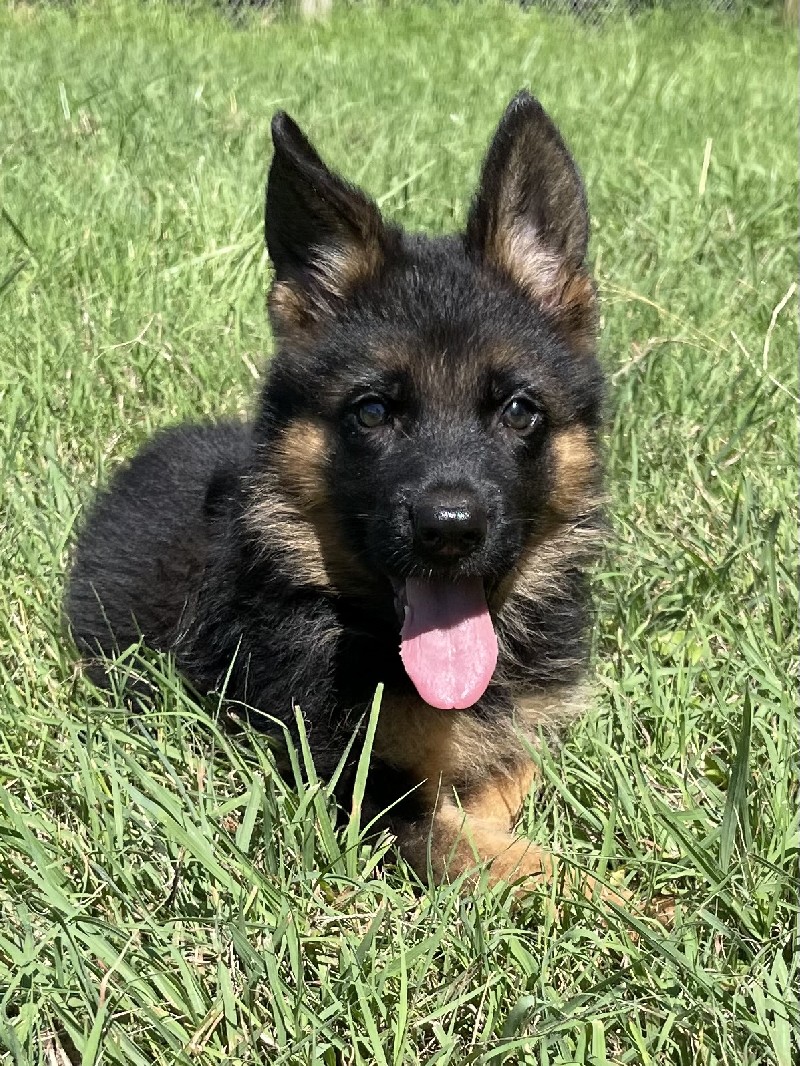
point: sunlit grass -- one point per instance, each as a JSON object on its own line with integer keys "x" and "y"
{"x": 166, "y": 896}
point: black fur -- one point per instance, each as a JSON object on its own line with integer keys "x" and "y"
{"x": 191, "y": 545}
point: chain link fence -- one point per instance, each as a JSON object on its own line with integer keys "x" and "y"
{"x": 597, "y": 10}
{"x": 593, "y": 11}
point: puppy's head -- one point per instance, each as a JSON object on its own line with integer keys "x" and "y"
{"x": 428, "y": 429}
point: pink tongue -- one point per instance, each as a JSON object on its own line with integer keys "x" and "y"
{"x": 448, "y": 644}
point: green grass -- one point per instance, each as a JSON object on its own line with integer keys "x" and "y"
{"x": 166, "y": 898}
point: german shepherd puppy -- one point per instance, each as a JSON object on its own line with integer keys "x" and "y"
{"x": 414, "y": 502}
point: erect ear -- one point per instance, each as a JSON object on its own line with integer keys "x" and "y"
{"x": 323, "y": 235}
{"x": 529, "y": 220}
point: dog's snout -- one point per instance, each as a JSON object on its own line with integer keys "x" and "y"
{"x": 449, "y": 525}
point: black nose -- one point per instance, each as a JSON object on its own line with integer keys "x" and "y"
{"x": 448, "y": 525}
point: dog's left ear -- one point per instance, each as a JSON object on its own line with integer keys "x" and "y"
{"x": 324, "y": 236}
{"x": 530, "y": 221}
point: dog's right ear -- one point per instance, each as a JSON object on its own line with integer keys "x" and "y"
{"x": 324, "y": 236}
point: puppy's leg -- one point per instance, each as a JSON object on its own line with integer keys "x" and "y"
{"x": 459, "y": 836}
{"x": 462, "y": 832}
{"x": 482, "y": 829}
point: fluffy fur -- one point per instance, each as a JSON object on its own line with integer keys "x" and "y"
{"x": 268, "y": 555}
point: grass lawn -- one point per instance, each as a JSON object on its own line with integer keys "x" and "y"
{"x": 165, "y": 897}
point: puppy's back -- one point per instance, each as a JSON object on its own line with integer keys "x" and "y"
{"x": 145, "y": 541}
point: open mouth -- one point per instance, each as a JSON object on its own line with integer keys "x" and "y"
{"x": 447, "y": 642}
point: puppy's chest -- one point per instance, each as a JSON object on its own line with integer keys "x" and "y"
{"x": 457, "y": 748}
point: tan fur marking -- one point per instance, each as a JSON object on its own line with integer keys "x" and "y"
{"x": 295, "y": 307}
{"x": 477, "y": 830}
{"x": 292, "y": 508}
{"x": 474, "y": 777}
{"x": 463, "y": 841}
{"x": 342, "y": 268}
{"x": 476, "y": 780}
{"x": 453, "y": 749}
{"x": 299, "y": 460}
{"x": 566, "y": 293}
{"x": 567, "y": 538}
{"x": 576, "y": 311}
{"x": 500, "y": 798}
{"x": 528, "y": 261}
{"x": 544, "y": 561}
{"x": 274, "y": 519}
{"x": 574, "y": 468}
{"x": 288, "y": 308}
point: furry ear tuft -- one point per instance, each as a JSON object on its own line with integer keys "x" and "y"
{"x": 324, "y": 236}
{"x": 530, "y": 222}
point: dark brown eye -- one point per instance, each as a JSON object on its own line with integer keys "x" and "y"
{"x": 520, "y": 415}
{"x": 372, "y": 412}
